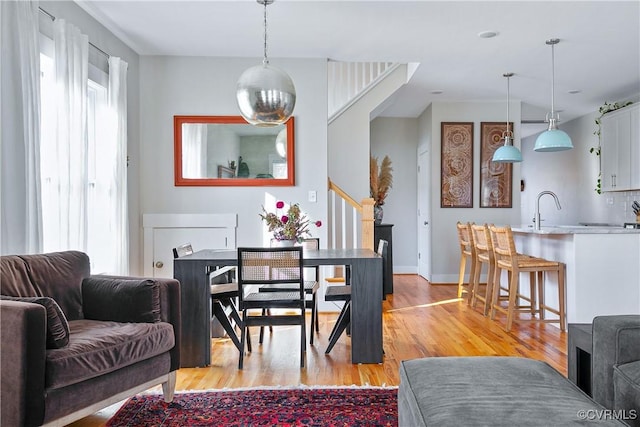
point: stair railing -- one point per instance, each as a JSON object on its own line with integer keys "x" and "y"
{"x": 349, "y": 220}
{"x": 347, "y": 81}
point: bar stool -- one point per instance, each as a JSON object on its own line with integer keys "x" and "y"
{"x": 467, "y": 250}
{"x": 484, "y": 255}
{"x": 506, "y": 258}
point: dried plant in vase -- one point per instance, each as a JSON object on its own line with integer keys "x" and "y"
{"x": 380, "y": 182}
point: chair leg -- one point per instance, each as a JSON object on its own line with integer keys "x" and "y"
{"x": 474, "y": 285}
{"x": 513, "y": 292}
{"x": 314, "y": 324}
{"x": 561, "y": 296}
{"x": 236, "y": 318}
{"x": 242, "y": 340}
{"x": 463, "y": 263}
{"x": 335, "y": 326}
{"x": 488, "y": 294}
{"x": 303, "y": 336}
{"x": 219, "y": 313}
{"x": 341, "y": 325}
{"x": 541, "y": 300}
{"x": 495, "y": 297}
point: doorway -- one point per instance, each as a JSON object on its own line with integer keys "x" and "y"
{"x": 424, "y": 214}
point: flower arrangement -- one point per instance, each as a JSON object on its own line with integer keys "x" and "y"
{"x": 380, "y": 179}
{"x": 290, "y": 225}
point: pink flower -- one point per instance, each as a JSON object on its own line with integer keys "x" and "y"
{"x": 284, "y": 219}
{"x": 318, "y": 223}
{"x": 279, "y": 204}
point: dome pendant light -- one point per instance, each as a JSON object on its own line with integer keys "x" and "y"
{"x": 266, "y": 95}
{"x": 553, "y": 139}
{"x": 507, "y": 153}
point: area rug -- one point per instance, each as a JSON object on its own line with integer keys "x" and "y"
{"x": 306, "y": 406}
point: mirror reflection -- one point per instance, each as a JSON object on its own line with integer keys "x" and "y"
{"x": 226, "y": 150}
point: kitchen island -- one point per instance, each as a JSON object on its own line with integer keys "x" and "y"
{"x": 603, "y": 267}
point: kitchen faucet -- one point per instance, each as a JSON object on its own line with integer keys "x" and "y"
{"x": 536, "y": 218}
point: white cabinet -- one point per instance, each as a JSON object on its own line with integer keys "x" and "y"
{"x": 163, "y": 232}
{"x": 620, "y": 142}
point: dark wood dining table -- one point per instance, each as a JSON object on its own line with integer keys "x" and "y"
{"x": 366, "y": 300}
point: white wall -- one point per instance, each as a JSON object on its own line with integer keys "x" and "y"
{"x": 349, "y": 137}
{"x": 206, "y": 86}
{"x": 446, "y": 251}
{"x": 397, "y": 138}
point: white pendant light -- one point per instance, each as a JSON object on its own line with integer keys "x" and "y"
{"x": 266, "y": 95}
{"x": 553, "y": 139}
{"x": 507, "y": 153}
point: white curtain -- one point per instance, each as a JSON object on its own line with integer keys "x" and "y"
{"x": 64, "y": 155}
{"x": 194, "y": 150}
{"x": 20, "y": 209}
{"x": 118, "y": 179}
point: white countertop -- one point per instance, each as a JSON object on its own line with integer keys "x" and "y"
{"x": 574, "y": 229}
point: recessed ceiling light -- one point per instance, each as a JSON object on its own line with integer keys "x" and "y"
{"x": 574, "y": 91}
{"x": 436, "y": 92}
{"x": 487, "y": 34}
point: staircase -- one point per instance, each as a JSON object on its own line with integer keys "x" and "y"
{"x": 356, "y": 89}
{"x": 349, "y": 81}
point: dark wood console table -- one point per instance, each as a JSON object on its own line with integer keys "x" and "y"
{"x": 385, "y": 232}
{"x": 366, "y": 300}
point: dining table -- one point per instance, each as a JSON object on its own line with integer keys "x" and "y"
{"x": 192, "y": 271}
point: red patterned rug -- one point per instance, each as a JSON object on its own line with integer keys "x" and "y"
{"x": 337, "y": 406}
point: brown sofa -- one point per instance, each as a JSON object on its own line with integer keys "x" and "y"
{"x": 73, "y": 343}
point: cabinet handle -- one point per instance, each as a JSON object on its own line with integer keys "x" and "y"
{"x": 159, "y": 264}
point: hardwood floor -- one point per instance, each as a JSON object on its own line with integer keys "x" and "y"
{"x": 420, "y": 320}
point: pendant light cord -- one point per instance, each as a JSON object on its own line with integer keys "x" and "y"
{"x": 508, "y": 103}
{"x": 265, "y": 61}
{"x": 553, "y": 67}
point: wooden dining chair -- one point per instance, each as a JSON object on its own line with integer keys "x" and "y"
{"x": 506, "y": 258}
{"x": 311, "y": 287}
{"x": 467, "y": 252}
{"x": 342, "y": 293}
{"x": 222, "y": 298}
{"x": 271, "y": 266}
{"x": 481, "y": 237}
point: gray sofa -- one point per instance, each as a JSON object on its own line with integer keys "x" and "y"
{"x": 73, "y": 343}
{"x": 508, "y": 391}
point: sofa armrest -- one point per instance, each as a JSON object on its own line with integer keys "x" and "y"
{"x": 169, "y": 304}
{"x": 616, "y": 340}
{"x": 22, "y": 361}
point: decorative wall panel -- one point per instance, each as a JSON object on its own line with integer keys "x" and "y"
{"x": 457, "y": 165}
{"x": 495, "y": 178}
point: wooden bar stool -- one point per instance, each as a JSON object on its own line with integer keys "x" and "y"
{"x": 467, "y": 250}
{"x": 484, "y": 255}
{"x": 506, "y": 258}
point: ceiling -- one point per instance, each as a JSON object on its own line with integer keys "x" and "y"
{"x": 598, "y": 55}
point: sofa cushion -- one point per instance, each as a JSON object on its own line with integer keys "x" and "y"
{"x": 495, "y": 391}
{"x": 98, "y": 347}
{"x": 626, "y": 385}
{"x": 57, "y": 275}
{"x": 121, "y": 300}
{"x": 57, "y": 326}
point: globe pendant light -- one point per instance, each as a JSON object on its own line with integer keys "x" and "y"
{"x": 507, "y": 153}
{"x": 553, "y": 139}
{"x": 265, "y": 94}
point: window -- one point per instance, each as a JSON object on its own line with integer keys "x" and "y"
{"x": 78, "y": 214}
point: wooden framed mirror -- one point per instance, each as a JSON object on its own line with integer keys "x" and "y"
{"x": 228, "y": 151}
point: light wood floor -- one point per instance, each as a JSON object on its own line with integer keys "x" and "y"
{"x": 420, "y": 320}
